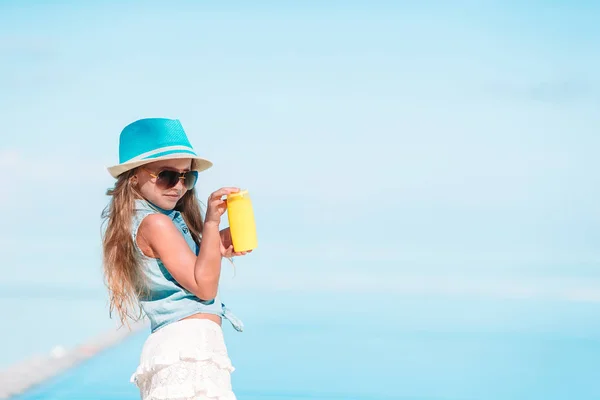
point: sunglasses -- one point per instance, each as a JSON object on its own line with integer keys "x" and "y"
{"x": 167, "y": 179}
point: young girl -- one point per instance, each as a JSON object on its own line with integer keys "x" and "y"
{"x": 162, "y": 259}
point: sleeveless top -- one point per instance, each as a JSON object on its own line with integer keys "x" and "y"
{"x": 167, "y": 301}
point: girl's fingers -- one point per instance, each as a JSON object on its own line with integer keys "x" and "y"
{"x": 223, "y": 191}
{"x": 216, "y": 202}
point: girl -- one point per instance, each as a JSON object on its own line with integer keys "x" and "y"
{"x": 162, "y": 259}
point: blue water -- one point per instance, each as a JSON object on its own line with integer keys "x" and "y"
{"x": 384, "y": 347}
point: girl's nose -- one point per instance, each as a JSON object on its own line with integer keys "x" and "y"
{"x": 181, "y": 185}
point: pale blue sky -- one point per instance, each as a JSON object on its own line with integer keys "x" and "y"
{"x": 439, "y": 147}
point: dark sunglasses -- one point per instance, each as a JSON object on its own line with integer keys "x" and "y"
{"x": 166, "y": 179}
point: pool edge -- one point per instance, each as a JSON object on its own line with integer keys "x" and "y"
{"x": 26, "y": 374}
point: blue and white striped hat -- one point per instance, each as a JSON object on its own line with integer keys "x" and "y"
{"x": 154, "y": 139}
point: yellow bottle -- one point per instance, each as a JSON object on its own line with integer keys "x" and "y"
{"x": 241, "y": 221}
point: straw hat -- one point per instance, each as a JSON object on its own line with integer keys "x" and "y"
{"x": 154, "y": 139}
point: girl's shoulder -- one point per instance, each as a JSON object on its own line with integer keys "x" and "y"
{"x": 143, "y": 209}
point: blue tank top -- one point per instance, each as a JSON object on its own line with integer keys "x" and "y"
{"x": 167, "y": 301}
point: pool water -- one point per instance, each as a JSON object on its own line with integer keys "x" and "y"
{"x": 426, "y": 349}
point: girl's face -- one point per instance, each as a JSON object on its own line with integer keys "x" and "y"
{"x": 163, "y": 183}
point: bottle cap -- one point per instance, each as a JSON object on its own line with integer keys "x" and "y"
{"x": 241, "y": 193}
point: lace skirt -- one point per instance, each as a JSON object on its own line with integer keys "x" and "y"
{"x": 185, "y": 360}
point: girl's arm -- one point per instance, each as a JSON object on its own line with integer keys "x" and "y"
{"x": 159, "y": 238}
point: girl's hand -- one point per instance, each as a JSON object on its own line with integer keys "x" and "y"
{"x": 217, "y": 206}
{"x": 227, "y": 245}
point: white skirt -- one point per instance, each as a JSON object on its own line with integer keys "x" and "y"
{"x": 185, "y": 360}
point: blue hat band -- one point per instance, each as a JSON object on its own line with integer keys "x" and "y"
{"x": 161, "y": 152}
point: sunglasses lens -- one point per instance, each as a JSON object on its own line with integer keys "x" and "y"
{"x": 190, "y": 179}
{"x": 167, "y": 179}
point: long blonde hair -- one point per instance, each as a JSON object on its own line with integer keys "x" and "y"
{"x": 122, "y": 271}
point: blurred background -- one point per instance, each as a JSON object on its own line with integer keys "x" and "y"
{"x": 424, "y": 178}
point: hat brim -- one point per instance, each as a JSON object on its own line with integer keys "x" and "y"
{"x": 201, "y": 164}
